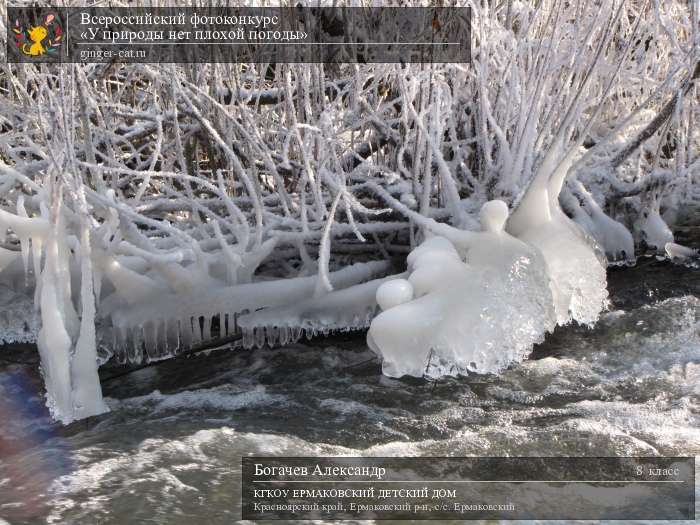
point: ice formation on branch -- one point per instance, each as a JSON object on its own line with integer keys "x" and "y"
{"x": 351, "y": 308}
{"x": 473, "y": 303}
{"x": 651, "y": 228}
{"x": 615, "y": 239}
{"x": 171, "y": 320}
{"x": 681, "y": 253}
{"x": 66, "y": 344}
{"x": 574, "y": 262}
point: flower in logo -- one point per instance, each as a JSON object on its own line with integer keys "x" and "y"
{"x": 44, "y": 38}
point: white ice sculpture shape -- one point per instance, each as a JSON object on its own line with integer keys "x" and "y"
{"x": 679, "y": 252}
{"x": 575, "y": 262}
{"x": 652, "y": 229}
{"x": 453, "y": 316}
{"x": 168, "y": 321}
{"x": 66, "y": 343}
{"x": 613, "y": 237}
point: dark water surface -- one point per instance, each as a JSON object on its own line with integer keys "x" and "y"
{"x": 169, "y": 451}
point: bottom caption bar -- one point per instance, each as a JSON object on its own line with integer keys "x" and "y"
{"x": 337, "y": 488}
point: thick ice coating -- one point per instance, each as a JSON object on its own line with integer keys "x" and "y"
{"x": 493, "y": 216}
{"x": 679, "y": 252}
{"x": 575, "y": 262}
{"x": 480, "y": 301}
{"x": 342, "y": 310}
{"x": 576, "y": 268}
{"x": 613, "y": 237}
{"x": 394, "y": 293}
{"x": 652, "y": 229}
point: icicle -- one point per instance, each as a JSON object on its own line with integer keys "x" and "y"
{"x": 136, "y": 355}
{"x": 97, "y": 282}
{"x": 223, "y": 325}
{"x": 162, "y": 343}
{"x": 284, "y": 335}
{"x": 122, "y": 357}
{"x": 23, "y": 237}
{"x": 272, "y": 335}
{"x": 260, "y": 337}
{"x": 150, "y": 331}
{"x": 206, "y": 328}
{"x": 121, "y": 335}
{"x": 37, "y": 250}
{"x": 70, "y": 316}
{"x": 87, "y": 392}
{"x": 172, "y": 336}
{"x": 54, "y": 342}
{"x": 185, "y": 329}
{"x": 248, "y": 338}
{"x": 196, "y": 330}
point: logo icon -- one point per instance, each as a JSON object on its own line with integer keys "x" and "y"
{"x": 45, "y": 38}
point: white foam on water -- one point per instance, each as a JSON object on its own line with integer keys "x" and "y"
{"x": 218, "y": 398}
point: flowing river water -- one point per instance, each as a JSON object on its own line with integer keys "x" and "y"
{"x": 169, "y": 452}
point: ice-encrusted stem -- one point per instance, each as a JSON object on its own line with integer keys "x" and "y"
{"x": 323, "y": 284}
{"x": 613, "y": 236}
{"x": 67, "y": 347}
{"x": 54, "y": 341}
{"x": 87, "y": 391}
{"x": 133, "y": 322}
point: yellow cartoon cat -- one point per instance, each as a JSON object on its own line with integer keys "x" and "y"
{"x": 36, "y": 35}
